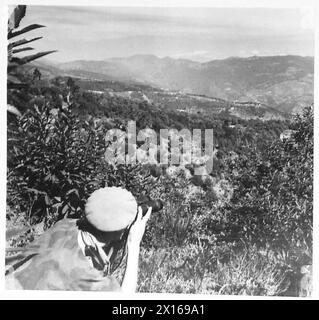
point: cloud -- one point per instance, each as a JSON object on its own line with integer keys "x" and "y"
{"x": 192, "y": 33}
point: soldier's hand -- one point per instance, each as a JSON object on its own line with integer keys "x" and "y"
{"x": 138, "y": 227}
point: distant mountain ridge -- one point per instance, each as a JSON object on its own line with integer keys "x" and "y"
{"x": 282, "y": 82}
{"x": 177, "y": 101}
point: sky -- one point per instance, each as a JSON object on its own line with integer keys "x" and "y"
{"x": 200, "y": 34}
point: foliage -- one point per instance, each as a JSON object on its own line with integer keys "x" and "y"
{"x": 273, "y": 194}
{"x": 14, "y": 80}
{"x": 243, "y": 230}
{"x": 54, "y": 160}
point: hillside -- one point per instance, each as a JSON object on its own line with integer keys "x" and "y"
{"x": 167, "y": 100}
{"x": 182, "y": 102}
{"x": 282, "y": 82}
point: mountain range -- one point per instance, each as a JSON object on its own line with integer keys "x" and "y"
{"x": 285, "y": 83}
{"x": 257, "y": 87}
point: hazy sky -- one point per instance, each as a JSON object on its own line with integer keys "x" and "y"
{"x": 201, "y": 34}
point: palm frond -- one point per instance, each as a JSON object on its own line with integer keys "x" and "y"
{"x": 23, "y": 41}
{"x": 22, "y": 49}
{"x": 31, "y": 27}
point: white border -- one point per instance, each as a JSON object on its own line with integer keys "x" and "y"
{"x": 43, "y": 295}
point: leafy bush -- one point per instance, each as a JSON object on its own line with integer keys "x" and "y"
{"x": 273, "y": 194}
{"x": 55, "y": 160}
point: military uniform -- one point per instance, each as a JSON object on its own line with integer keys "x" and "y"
{"x": 56, "y": 261}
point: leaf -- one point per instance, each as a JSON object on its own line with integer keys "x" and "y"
{"x": 16, "y": 16}
{"x": 22, "y": 49}
{"x": 22, "y": 41}
{"x": 36, "y": 191}
{"x": 47, "y": 178}
{"x": 47, "y": 200}
{"x": 24, "y": 30}
{"x": 13, "y": 110}
{"x": 94, "y": 183}
{"x": 34, "y": 56}
{"x": 65, "y": 209}
{"x": 73, "y": 191}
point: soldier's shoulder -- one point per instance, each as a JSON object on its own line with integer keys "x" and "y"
{"x": 63, "y": 226}
{"x": 63, "y": 231}
{"x": 65, "y": 223}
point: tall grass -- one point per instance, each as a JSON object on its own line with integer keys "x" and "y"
{"x": 193, "y": 269}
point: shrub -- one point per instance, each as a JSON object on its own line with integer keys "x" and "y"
{"x": 55, "y": 163}
{"x": 56, "y": 160}
{"x": 273, "y": 194}
{"x": 186, "y": 207}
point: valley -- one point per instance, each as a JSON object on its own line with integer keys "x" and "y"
{"x": 249, "y": 88}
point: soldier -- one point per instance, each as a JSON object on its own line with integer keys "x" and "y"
{"x": 80, "y": 254}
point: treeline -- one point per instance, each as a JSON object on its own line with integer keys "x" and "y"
{"x": 230, "y": 133}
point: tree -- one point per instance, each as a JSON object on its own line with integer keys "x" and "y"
{"x": 14, "y": 47}
{"x": 36, "y": 74}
